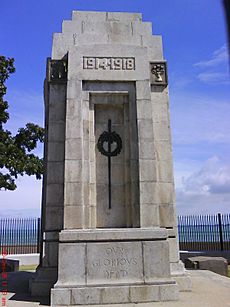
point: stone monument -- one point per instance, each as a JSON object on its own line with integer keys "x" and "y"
{"x": 109, "y": 223}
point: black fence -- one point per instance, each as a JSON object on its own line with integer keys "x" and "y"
{"x": 19, "y": 235}
{"x": 196, "y": 233}
{"x": 204, "y": 232}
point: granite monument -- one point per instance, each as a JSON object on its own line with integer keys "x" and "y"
{"x": 108, "y": 207}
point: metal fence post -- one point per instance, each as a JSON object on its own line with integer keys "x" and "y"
{"x": 220, "y": 232}
{"x": 38, "y": 235}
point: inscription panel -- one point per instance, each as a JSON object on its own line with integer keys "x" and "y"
{"x": 108, "y": 63}
{"x": 109, "y": 263}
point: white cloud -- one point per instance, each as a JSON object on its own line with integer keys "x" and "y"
{"x": 219, "y": 56}
{"x": 215, "y": 69}
{"x": 214, "y": 77}
{"x": 212, "y": 178}
{"x": 206, "y": 190}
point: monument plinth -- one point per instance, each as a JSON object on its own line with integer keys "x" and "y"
{"x": 110, "y": 232}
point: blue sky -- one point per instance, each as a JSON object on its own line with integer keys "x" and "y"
{"x": 194, "y": 39}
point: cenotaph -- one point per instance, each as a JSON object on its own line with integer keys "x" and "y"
{"x": 108, "y": 212}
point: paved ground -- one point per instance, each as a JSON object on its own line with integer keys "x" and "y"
{"x": 209, "y": 290}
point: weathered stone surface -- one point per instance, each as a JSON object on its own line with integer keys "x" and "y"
{"x": 156, "y": 259}
{"x": 60, "y": 297}
{"x": 112, "y": 263}
{"x": 218, "y": 265}
{"x": 109, "y": 165}
{"x": 71, "y": 264}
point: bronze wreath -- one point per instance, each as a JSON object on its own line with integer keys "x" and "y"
{"x": 109, "y": 137}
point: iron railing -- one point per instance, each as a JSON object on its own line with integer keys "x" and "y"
{"x": 204, "y": 232}
{"x": 196, "y": 233}
{"x": 20, "y": 235}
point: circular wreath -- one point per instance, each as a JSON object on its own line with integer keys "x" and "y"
{"x": 109, "y": 137}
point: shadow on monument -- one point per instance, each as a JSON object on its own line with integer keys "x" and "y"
{"x": 18, "y": 285}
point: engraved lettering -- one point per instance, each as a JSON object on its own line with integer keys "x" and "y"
{"x": 108, "y": 63}
{"x": 114, "y": 250}
{"x": 115, "y": 274}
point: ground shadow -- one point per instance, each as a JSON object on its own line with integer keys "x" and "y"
{"x": 18, "y": 284}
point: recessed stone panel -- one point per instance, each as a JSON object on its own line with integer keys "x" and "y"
{"x": 114, "y": 263}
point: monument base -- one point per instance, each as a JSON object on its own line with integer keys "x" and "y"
{"x": 43, "y": 282}
{"x": 109, "y": 266}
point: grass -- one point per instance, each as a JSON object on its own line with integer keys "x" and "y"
{"x": 229, "y": 271}
{"x": 27, "y": 267}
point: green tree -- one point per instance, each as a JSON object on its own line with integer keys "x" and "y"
{"x": 16, "y": 157}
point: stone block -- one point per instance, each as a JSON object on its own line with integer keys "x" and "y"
{"x": 73, "y": 128}
{"x": 173, "y": 249}
{"x": 8, "y": 265}
{"x": 86, "y": 148}
{"x": 73, "y": 149}
{"x": 60, "y": 297}
{"x": 85, "y": 296}
{"x": 74, "y": 92}
{"x": 217, "y": 265}
{"x": 90, "y": 216}
{"x": 156, "y": 260}
{"x": 56, "y": 131}
{"x": 115, "y": 295}
{"x": 165, "y": 171}
{"x": 167, "y": 215}
{"x": 142, "y": 28}
{"x": 169, "y": 293}
{"x": 90, "y": 38}
{"x": 73, "y": 108}
{"x": 147, "y": 192}
{"x": 57, "y": 104}
{"x": 52, "y": 254}
{"x": 56, "y": 151}
{"x": 163, "y": 150}
{"x": 144, "y": 109}
{"x": 117, "y": 234}
{"x": 60, "y": 45}
{"x": 73, "y": 217}
{"x": 146, "y": 149}
{"x": 55, "y": 172}
{"x": 73, "y": 28}
{"x": 117, "y": 173}
{"x": 120, "y": 16}
{"x": 159, "y": 110}
{"x": 96, "y": 27}
{"x": 143, "y": 90}
{"x": 73, "y": 193}
{"x": 149, "y": 215}
{"x": 162, "y": 131}
{"x": 146, "y": 293}
{"x": 55, "y": 194}
{"x": 54, "y": 218}
{"x": 71, "y": 264}
{"x": 145, "y": 129}
{"x": 73, "y": 171}
{"x": 159, "y": 97}
{"x": 89, "y": 16}
{"x": 114, "y": 263}
{"x": 147, "y": 170}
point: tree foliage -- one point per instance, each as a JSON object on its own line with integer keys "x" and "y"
{"x": 16, "y": 151}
